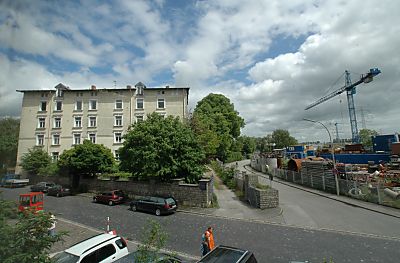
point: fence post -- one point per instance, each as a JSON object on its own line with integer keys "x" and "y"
{"x": 301, "y": 174}
{"x": 323, "y": 182}
{"x": 379, "y": 195}
{"x": 312, "y": 185}
{"x": 293, "y": 175}
{"x": 286, "y": 172}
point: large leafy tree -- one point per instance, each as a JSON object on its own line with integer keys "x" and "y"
{"x": 87, "y": 158}
{"x": 9, "y": 131}
{"x": 163, "y": 148}
{"x": 35, "y": 160}
{"x": 215, "y": 115}
{"x": 26, "y": 240}
{"x": 282, "y": 138}
{"x": 366, "y": 136}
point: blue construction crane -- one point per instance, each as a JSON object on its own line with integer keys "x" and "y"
{"x": 350, "y": 90}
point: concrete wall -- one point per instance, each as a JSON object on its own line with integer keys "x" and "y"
{"x": 196, "y": 195}
{"x": 260, "y": 198}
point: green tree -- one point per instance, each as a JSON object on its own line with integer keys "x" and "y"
{"x": 216, "y": 115}
{"x": 35, "y": 160}
{"x": 282, "y": 138}
{"x": 26, "y": 240}
{"x": 163, "y": 148}
{"x": 153, "y": 240}
{"x": 9, "y": 132}
{"x": 248, "y": 145}
{"x": 87, "y": 158}
{"x": 366, "y": 136}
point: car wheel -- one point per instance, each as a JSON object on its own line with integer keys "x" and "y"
{"x": 133, "y": 208}
{"x": 95, "y": 199}
{"x": 58, "y": 195}
{"x": 158, "y": 212}
{"x": 110, "y": 202}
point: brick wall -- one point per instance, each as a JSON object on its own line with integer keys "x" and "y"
{"x": 260, "y": 198}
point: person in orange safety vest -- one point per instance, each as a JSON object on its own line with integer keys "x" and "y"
{"x": 210, "y": 238}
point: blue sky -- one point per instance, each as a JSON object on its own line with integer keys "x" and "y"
{"x": 270, "y": 58}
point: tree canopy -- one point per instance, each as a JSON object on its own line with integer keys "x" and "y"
{"x": 282, "y": 138}
{"x": 9, "y": 132}
{"x": 366, "y": 136}
{"x": 217, "y": 124}
{"x": 87, "y": 158}
{"x": 35, "y": 160}
{"x": 162, "y": 148}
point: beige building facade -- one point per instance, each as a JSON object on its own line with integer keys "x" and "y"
{"x": 58, "y": 119}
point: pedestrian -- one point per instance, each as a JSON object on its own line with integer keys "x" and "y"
{"x": 52, "y": 228}
{"x": 210, "y": 238}
{"x": 204, "y": 245}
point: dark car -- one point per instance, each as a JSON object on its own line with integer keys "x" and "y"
{"x": 111, "y": 197}
{"x": 155, "y": 204}
{"x": 151, "y": 258}
{"x": 222, "y": 254}
{"x": 42, "y": 187}
{"x": 58, "y": 190}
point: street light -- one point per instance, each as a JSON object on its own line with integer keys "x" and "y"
{"x": 333, "y": 154}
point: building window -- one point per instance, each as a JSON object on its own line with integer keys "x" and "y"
{"x": 161, "y": 104}
{"x": 78, "y": 105}
{"x": 77, "y": 138}
{"x": 56, "y": 139}
{"x": 118, "y": 120}
{"x": 116, "y": 155}
{"x": 92, "y": 104}
{"x": 92, "y": 137}
{"x": 57, "y": 122}
{"x": 43, "y": 106}
{"x": 39, "y": 139}
{"x": 42, "y": 123}
{"x": 139, "y": 118}
{"x": 59, "y": 93}
{"x": 78, "y": 122}
{"x": 118, "y": 104}
{"x": 54, "y": 156}
{"x": 58, "y": 106}
{"x": 139, "y": 104}
{"x": 118, "y": 137}
{"x": 92, "y": 121}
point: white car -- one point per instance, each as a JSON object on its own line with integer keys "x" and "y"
{"x": 104, "y": 248}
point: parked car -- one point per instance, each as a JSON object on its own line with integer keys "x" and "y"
{"x": 155, "y": 204}
{"x": 111, "y": 197}
{"x": 42, "y": 187}
{"x": 105, "y": 248}
{"x": 58, "y": 190}
{"x": 222, "y": 254}
{"x": 158, "y": 258}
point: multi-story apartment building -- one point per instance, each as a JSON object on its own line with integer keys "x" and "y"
{"x": 59, "y": 119}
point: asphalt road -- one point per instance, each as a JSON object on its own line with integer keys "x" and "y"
{"x": 270, "y": 242}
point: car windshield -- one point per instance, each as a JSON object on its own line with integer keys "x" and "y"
{"x": 223, "y": 255}
{"x": 65, "y": 257}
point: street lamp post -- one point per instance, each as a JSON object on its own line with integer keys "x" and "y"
{"x": 333, "y": 154}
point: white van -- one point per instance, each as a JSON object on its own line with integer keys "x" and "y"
{"x": 103, "y": 248}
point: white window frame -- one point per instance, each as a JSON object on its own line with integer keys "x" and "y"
{"x": 91, "y": 105}
{"x": 58, "y": 102}
{"x": 117, "y": 139}
{"x": 76, "y": 138}
{"x": 57, "y": 122}
{"x": 90, "y": 124}
{"x": 41, "y": 106}
{"x": 116, "y": 155}
{"x": 118, "y": 120}
{"x": 76, "y": 105}
{"x": 42, "y": 122}
{"x": 55, "y": 156}
{"x": 139, "y": 118}
{"x": 55, "y": 141}
{"x": 75, "y": 122}
{"x": 137, "y": 100}
{"x": 158, "y": 103}
{"x": 90, "y": 137}
{"x": 40, "y": 139}
{"x": 117, "y": 103}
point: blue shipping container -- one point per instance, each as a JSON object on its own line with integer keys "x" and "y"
{"x": 357, "y": 158}
{"x": 383, "y": 143}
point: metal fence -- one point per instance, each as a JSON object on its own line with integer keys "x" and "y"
{"x": 362, "y": 189}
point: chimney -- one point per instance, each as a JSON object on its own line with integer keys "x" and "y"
{"x": 128, "y": 86}
{"x": 167, "y": 87}
{"x": 93, "y": 87}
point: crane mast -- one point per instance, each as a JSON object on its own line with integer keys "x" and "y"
{"x": 350, "y": 90}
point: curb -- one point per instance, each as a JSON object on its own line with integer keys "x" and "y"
{"x": 323, "y": 195}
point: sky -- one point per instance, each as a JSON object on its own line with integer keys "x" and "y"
{"x": 270, "y": 58}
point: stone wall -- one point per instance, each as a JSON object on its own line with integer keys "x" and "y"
{"x": 260, "y": 198}
{"x": 196, "y": 195}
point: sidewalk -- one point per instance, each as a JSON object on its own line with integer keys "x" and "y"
{"x": 390, "y": 211}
